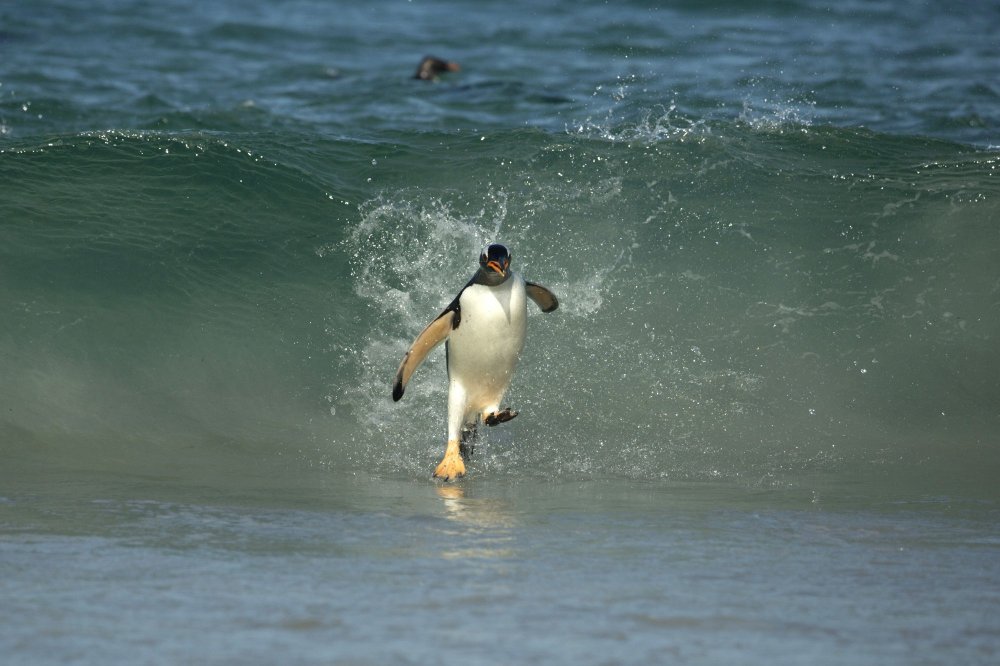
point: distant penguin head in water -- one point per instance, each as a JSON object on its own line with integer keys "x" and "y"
{"x": 430, "y": 67}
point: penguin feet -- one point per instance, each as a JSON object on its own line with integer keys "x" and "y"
{"x": 504, "y": 415}
{"x": 467, "y": 445}
{"x": 451, "y": 466}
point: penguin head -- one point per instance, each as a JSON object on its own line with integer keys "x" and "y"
{"x": 494, "y": 264}
{"x": 430, "y": 67}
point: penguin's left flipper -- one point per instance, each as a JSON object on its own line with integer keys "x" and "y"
{"x": 545, "y": 299}
{"x": 502, "y": 416}
{"x": 435, "y": 333}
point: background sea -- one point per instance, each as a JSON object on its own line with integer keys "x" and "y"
{"x": 762, "y": 428}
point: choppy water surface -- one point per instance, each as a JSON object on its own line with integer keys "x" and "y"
{"x": 760, "y": 428}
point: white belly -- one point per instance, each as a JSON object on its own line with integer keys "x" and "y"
{"x": 484, "y": 349}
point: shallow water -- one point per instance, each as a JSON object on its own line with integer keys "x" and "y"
{"x": 352, "y": 570}
{"x": 762, "y": 426}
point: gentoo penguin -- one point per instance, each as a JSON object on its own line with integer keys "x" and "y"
{"x": 430, "y": 67}
{"x": 484, "y": 327}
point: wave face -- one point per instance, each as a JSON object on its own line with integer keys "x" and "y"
{"x": 736, "y": 302}
{"x": 767, "y": 276}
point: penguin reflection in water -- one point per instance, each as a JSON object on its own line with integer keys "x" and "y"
{"x": 484, "y": 327}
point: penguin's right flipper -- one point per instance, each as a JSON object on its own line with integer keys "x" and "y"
{"x": 435, "y": 333}
{"x": 545, "y": 299}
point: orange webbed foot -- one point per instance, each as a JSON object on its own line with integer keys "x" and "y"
{"x": 451, "y": 466}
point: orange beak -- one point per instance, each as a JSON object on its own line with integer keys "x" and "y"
{"x": 495, "y": 265}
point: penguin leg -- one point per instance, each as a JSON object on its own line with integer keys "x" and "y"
{"x": 452, "y": 466}
{"x": 467, "y": 444}
{"x": 497, "y": 417}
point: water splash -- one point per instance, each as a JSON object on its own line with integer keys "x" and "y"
{"x": 656, "y": 123}
{"x": 661, "y": 123}
{"x": 767, "y": 114}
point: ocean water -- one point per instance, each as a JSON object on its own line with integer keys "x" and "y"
{"x": 763, "y": 426}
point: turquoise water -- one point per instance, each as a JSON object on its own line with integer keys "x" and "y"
{"x": 761, "y": 428}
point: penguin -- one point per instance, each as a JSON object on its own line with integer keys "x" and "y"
{"x": 430, "y": 67}
{"x": 483, "y": 329}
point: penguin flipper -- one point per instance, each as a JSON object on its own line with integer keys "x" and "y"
{"x": 435, "y": 333}
{"x": 545, "y": 299}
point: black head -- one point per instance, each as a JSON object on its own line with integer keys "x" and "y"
{"x": 430, "y": 67}
{"x": 494, "y": 264}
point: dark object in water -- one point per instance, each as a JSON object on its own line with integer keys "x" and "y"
{"x": 430, "y": 67}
